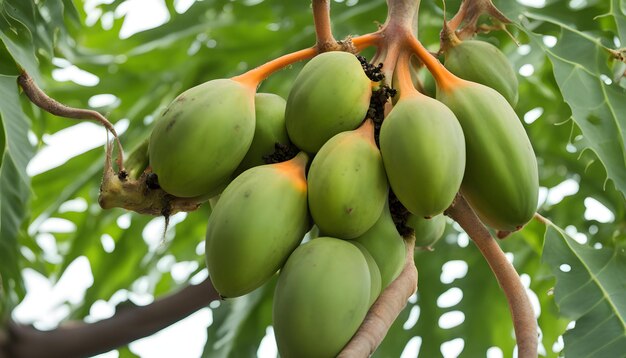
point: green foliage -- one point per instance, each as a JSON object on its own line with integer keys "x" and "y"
{"x": 219, "y": 39}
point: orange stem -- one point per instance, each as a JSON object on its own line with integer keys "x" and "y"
{"x": 444, "y": 78}
{"x": 367, "y": 40}
{"x": 403, "y": 74}
{"x": 255, "y": 76}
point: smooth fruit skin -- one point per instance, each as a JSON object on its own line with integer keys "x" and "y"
{"x": 484, "y": 63}
{"x": 501, "y": 180}
{"x": 423, "y": 150}
{"x": 321, "y": 298}
{"x": 269, "y": 130}
{"x": 375, "y": 279}
{"x": 201, "y": 137}
{"x": 330, "y": 95}
{"x": 258, "y": 221}
{"x": 386, "y": 246}
{"x": 347, "y": 184}
{"x": 427, "y": 231}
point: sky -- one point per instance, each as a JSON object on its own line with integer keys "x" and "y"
{"x": 47, "y": 304}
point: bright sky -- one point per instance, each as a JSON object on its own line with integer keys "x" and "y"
{"x": 46, "y": 305}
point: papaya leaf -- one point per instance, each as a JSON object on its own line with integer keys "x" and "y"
{"x": 239, "y": 324}
{"x": 579, "y": 62}
{"x": 589, "y": 290}
{"x": 14, "y": 183}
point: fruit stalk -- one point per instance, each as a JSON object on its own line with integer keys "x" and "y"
{"x": 524, "y": 321}
{"x": 385, "y": 310}
{"x": 323, "y": 31}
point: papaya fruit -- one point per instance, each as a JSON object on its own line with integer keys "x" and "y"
{"x": 427, "y": 231}
{"x": 201, "y": 138}
{"x": 484, "y": 63}
{"x": 376, "y": 281}
{"x": 330, "y": 95}
{"x": 386, "y": 246}
{"x": 347, "y": 184}
{"x": 423, "y": 150}
{"x": 257, "y": 222}
{"x": 321, "y": 298}
{"x": 270, "y": 129}
{"x": 501, "y": 180}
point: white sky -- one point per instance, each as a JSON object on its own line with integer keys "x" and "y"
{"x": 46, "y": 305}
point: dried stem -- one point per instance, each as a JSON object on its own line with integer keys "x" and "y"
{"x": 43, "y": 101}
{"x": 524, "y": 321}
{"x": 127, "y": 325}
{"x": 323, "y": 31}
{"x": 385, "y": 310}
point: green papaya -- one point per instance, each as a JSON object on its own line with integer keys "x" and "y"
{"x": 484, "y": 63}
{"x": 423, "y": 149}
{"x": 501, "y": 181}
{"x": 257, "y": 222}
{"x": 427, "y": 231}
{"x": 201, "y": 138}
{"x": 347, "y": 184}
{"x": 321, "y": 298}
{"x": 386, "y": 246}
{"x": 376, "y": 281}
{"x": 270, "y": 129}
{"x": 330, "y": 95}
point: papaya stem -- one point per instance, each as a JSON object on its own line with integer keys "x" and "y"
{"x": 256, "y": 75}
{"x": 323, "y": 31}
{"x": 367, "y": 40}
{"x": 524, "y": 321}
{"x": 385, "y": 310}
{"x": 444, "y": 78}
{"x": 37, "y": 96}
{"x": 403, "y": 75}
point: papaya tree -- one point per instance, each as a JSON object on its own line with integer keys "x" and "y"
{"x": 391, "y": 179}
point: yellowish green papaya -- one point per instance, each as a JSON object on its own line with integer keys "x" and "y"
{"x": 201, "y": 138}
{"x": 374, "y": 272}
{"x": 330, "y": 95}
{"x": 270, "y": 129}
{"x": 501, "y": 181}
{"x": 347, "y": 184}
{"x": 257, "y": 222}
{"x": 321, "y": 298}
{"x": 423, "y": 149}
{"x": 482, "y": 62}
{"x": 427, "y": 231}
{"x": 386, "y": 246}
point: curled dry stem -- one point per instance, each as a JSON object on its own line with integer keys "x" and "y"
{"x": 385, "y": 310}
{"x": 524, "y": 321}
{"x": 137, "y": 195}
{"x": 43, "y": 101}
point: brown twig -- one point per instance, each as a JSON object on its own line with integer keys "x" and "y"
{"x": 127, "y": 325}
{"x": 43, "y": 101}
{"x": 385, "y": 310}
{"x": 524, "y": 321}
{"x": 323, "y": 30}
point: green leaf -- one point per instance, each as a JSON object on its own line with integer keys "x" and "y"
{"x": 14, "y": 183}
{"x": 590, "y": 289}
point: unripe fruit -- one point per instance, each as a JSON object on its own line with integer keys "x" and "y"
{"x": 427, "y": 231}
{"x": 270, "y": 129}
{"x": 201, "y": 138}
{"x": 347, "y": 184}
{"x": 321, "y": 298}
{"x": 482, "y": 62}
{"x": 501, "y": 180}
{"x": 375, "y": 279}
{"x": 330, "y": 95}
{"x": 386, "y": 246}
{"x": 259, "y": 219}
{"x": 423, "y": 149}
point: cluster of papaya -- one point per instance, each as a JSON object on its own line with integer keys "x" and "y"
{"x": 213, "y": 141}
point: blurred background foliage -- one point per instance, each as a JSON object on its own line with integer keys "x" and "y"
{"x": 572, "y": 102}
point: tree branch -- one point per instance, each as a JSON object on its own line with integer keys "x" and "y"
{"x": 522, "y": 312}
{"x": 385, "y": 310}
{"x": 127, "y": 325}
